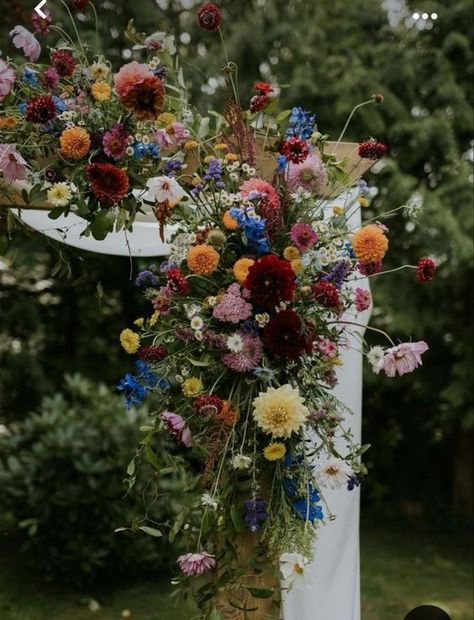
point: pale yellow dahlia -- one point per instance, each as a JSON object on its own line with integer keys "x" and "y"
{"x": 280, "y": 411}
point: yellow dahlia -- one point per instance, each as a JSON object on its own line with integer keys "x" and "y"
{"x": 241, "y": 269}
{"x": 297, "y": 265}
{"x": 274, "y": 451}
{"x": 291, "y": 253}
{"x": 101, "y": 91}
{"x": 203, "y": 259}
{"x": 280, "y": 411}
{"x": 130, "y": 341}
{"x": 370, "y": 243}
{"x": 75, "y": 142}
{"x": 192, "y": 387}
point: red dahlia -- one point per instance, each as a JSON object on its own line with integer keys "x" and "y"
{"x": 270, "y": 280}
{"x": 63, "y": 62}
{"x": 372, "y": 149}
{"x": 263, "y": 87}
{"x": 326, "y": 294}
{"x": 209, "y": 16}
{"x": 177, "y": 281}
{"x": 40, "y": 109}
{"x": 425, "y": 269}
{"x": 109, "y": 184}
{"x": 295, "y": 150}
{"x": 288, "y": 336}
{"x": 258, "y": 103}
{"x": 145, "y": 98}
{"x": 152, "y": 354}
{"x": 368, "y": 269}
{"x": 208, "y": 405}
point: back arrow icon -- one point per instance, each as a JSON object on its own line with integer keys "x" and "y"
{"x": 38, "y": 9}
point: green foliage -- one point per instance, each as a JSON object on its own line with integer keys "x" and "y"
{"x": 61, "y": 474}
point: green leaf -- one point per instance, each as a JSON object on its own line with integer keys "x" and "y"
{"x": 131, "y": 467}
{"x": 102, "y": 224}
{"x": 260, "y": 592}
{"x": 151, "y": 531}
{"x": 283, "y": 114}
{"x": 199, "y": 363}
{"x": 237, "y": 519}
{"x": 56, "y": 212}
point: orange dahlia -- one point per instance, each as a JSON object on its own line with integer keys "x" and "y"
{"x": 75, "y": 142}
{"x": 203, "y": 259}
{"x": 229, "y": 222}
{"x": 370, "y": 243}
{"x": 241, "y": 269}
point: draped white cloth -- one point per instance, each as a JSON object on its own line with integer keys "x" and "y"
{"x": 333, "y": 580}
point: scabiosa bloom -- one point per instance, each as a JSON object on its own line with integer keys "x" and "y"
{"x": 51, "y": 78}
{"x": 146, "y": 277}
{"x": 178, "y": 428}
{"x": 256, "y": 513}
{"x": 248, "y": 358}
{"x": 23, "y": 39}
{"x": 295, "y": 150}
{"x": 362, "y": 299}
{"x": 326, "y": 294}
{"x": 303, "y": 236}
{"x": 152, "y": 354}
{"x": 311, "y": 175}
{"x": 369, "y": 269}
{"x": 208, "y": 405}
{"x": 115, "y": 141}
{"x": 12, "y": 163}
{"x": 41, "y": 24}
{"x": 192, "y": 564}
{"x": 232, "y": 308}
{"x": 259, "y": 103}
{"x": 268, "y": 203}
{"x": 270, "y": 280}
{"x": 402, "y": 359}
{"x": 425, "y": 269}
{"x": 109, "y": 184}
{"x": 40, "y": 109}
{"x": 287, "y": 336}
{"x": 209, "y": 16}
{"x": 177, "y": 281}
{"x": 7, "y": 79}
{"x": 63, "y": 62}
{"x": 372, "y": 149}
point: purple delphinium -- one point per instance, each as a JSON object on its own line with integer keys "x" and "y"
{"x": 173, "y": 166}
{"x": 256, "y": 513}
{"x": 338, "y": 273}
{"x": 214, "y": 171}
{"x": 146, "y": 277}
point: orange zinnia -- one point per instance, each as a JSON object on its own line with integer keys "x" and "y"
{"x": 241, "y": 269}
{"x": 229, "y": 222}
{"x": 203, "y": 259}
{"x": 370, "y": 244}
{"x": 75, "y": 142}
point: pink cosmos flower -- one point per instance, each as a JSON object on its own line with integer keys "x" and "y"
{"x": 51, "y": 78}
{"x": 196, "y": 563}
{"x": 41, "y": 24}
{"x": 178, "y": 428}
{"x": 23, "y": 39}
{"x": 311, "y": 175}
{"x": 303, "y": 236}
{"x": 402, "y": 359}
{"x": 248, "y": 357}
{"x": 7, "y": 79}
{"x": 180, "y": 133}
{"x": 362, "y": 299}
{"x": 232, "y": 307}
{"x": 12, "y": 163}
{"x": 163, "y": 138}
{"x": 129, "y": 76}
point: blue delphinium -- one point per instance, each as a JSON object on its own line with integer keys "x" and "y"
{"x": 301, "y": 123}
{"x": 254, "y": 230}
{"x": 141, "y": 150}
{"x": 305, "y": 505}
{"x": 256, "y": 513}
{"x": 29, "y": 76}
{"x": 134, "y": 391}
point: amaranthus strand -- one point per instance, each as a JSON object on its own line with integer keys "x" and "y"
{"x": 344, "y": 129}
{"x": 374, "y": 329}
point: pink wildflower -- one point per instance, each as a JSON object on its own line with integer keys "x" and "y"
{"x": 41, "y": 24}
{"x": 180, "y": 132}
{"x": 327, "y": 348}
{"x": 7, "y": 79}
{"x": 178, "y": 428}
{"x": 163, "y": 138}
{"x": 115, "y": 141}
{"x": 402, "y": 359}
{"x": 196, "y": 563}
{"x": 268, "y": 206}
{"x": 311, "y": 175}
{"x": 51, "y": 78}
{"x": 248, "y": 358}
{"x": 23, "y": 39}
{"x": 303, "y": 236}
{"x": 12, "y": 163}
{"x": 232, "y": 308}
{"x": 362, "y": 299}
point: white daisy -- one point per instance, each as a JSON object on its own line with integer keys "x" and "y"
{"x": 59, "y": 194}
{"x": 235, "y": 343}
{"x": 208, "y": 501}
{"x": 240, "y": 461}
{"x": 374, "y": 355}
{"x": 293, "y": 569}
{"x": 332, "y": 474}
{"x": 197, "y": 323}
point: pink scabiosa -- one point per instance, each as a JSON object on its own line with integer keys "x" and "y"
{"x": 192, "y": 564}
{"x": 362, "y": 299}
{"x": 41, "y": 24}
{"x": 425, "y": 269}
{"x": 115, "y": 141}
{"x": 372, "y": 149}
{"x": 303, "y": 236}
{"x": 12, "y": 163}
{"x": 311, "y": 175}
{"x": 178, "y": 428}
{"x": 295, "y": 150}
{"x": 369, "y": 269}
{"x": 401, "y": 359}
{"x": 7, "y": 79}
{"x": 24, "y": 40}
{"x": 248, "y": 358}
{"x": 209, "y": 16}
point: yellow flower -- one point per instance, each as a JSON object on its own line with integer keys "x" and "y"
{"x": 291, "y": 253}
{"x": 192, "y": 387}
{"x": 101, "y": 91}
{"x": 59, "y": 194}
{"x": 280, "y": 411}
{"x": 338, "y": 210}
{"x": 241, "y": 269}
{"x": 99, "y": 70}
{"x": 191, "y": 145}
{"x": 208, "y": 159}
{"x": 139, "y": 322}
{"x": 130, "y": 341}
{"x": 153, "y": 319}
{"x": 297, "y": 265}
{"x": 221, "y": 146}
{"x": 274, "y": 451}
{"x": 336, "y": 361}
{"x": 363, "y": 202}
{"x": 165, "y": 119}
{"x": 231, "y": 157}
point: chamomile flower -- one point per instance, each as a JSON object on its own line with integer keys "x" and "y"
{"x": 59, "y": 194}
{"x": 242, "y": 462}
{"x": 235, "y": 343}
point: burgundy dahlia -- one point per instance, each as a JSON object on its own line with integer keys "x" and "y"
{"x": 209, "y": 16}
{"x": 109, "y": 184}
{"x": 152, "y": 354}
{"x": 368, "y": 269}
{"x": 270, "y": 280}
{"x": 425, "y": 269}
{"x": 287, "y": 336}
{"x": 372, "y": 149}
{"x": 40, "y": 109}
{"x": 63, "y": 62}
{"x": 326, "y": 294}
{"x": 208, "y": 405}
{"x": 295, "y": 150}
{"x": 177, "y": 281}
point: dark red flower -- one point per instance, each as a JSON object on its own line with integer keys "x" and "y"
{"x": 270, "y": 280}
{"x": 258, "y": 103}
{"x": 208, "y": 405}
{"x": 79, "y": 5}
{"x": 326, "y": 294}
{"x": 152, "y": 353}
{"x": 288, "y": 336}
{"x": 177, "y": 281}
{"x": 40, "y": 109}
{"x": 209, "y": 16}
{"x": 425, "y": 269}
{"x": 372, "y": 149}
{"x": 295, "y": 150}
{"x": 145, "y": 98}
{"x": 109, "y": 184}
{"x": 263, "y": 87}
{"x": 63, "y": 62}
{"x": 368, "y": 269}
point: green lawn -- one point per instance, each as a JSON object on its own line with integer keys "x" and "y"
{"x": 399, "y": 572}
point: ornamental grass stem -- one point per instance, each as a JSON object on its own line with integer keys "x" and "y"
{"x": 344, "y": 129}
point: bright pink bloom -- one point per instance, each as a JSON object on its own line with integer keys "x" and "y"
{"x": 362, "y": 299}
{"x": 303, "y": 236}
{"x": 23, "y": 39}
{"x": 41, "y": 24}
{"x": 115, "y": 141}
{"x": 129, "y": 76}
{"x": 311, "y": 175}
{"x": 7, "y": 79}
{"x": 196, "y": 563}
{"x": 178, "y": 428}
{"x": 402, "y": 359}
{"x": 163, "y": 138}
{"x": 12, "y": 163}
{"x": 248, "y": 358}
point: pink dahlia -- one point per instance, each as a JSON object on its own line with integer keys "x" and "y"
{"x": 129, "y": 76}
{"x": 115, "y": 141}
{"x": 248, "y": 357}
{"x": 402, "y": 359}
{"x": 193, "y": 564}
{"x": 311, "y": 175}
{"x": 12, "y": 163}
{"x": 303, "y": 236}
{"x": 269, "y": 206}
{"x": 233, "y": 308}
{"x": 24, "y": 40}
{"x": 7, "y": 79}
{"x": 362, "y": 299}
{"x": 178, "y": 428}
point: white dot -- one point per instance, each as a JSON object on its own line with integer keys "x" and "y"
{"x": 416, "y": 16}
{"x": 424, "y": 16}
{"x": 434, "y": 15}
